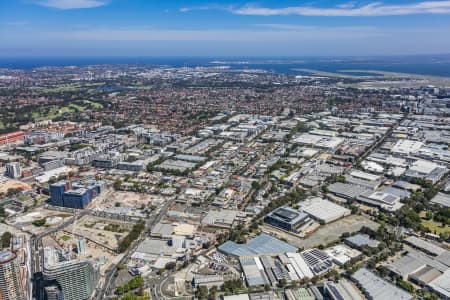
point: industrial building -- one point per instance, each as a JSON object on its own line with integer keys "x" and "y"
{"x": 318, "y": 261}
{"x": 286, "y": 218}
{"x": 11, "y": 284}
{"x": 441, "y": 285}
{"x": 341, "y": 254}
{"x": 342, "y": 290}
{"x": 224, "y": 218}
{"x": 441, "y": 199}
{"x": 376, "y": 288}
{"x": 299, "y": 294}
{"x": 253, "y": 271}
{"x": 417, "y": 267}
{"x": 360, "y": 240}
{"x": 425, "y": 246}
{"x": 263, "y": 244}
{"x": 424, "y": 169}
{"x": 323, "y": 210}
{"x": 347, "y": 191}
{"x": 73, "y": 279}
{"x": 207, "y": 280}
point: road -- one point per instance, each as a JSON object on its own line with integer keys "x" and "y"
{"x": 381, "y": 140}
{"x": 153, "y": 219}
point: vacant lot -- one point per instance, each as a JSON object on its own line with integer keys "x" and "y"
{"x": 436, "y": 227}
{"x": 327, "y": 233}
{"x": 102, "y": 231}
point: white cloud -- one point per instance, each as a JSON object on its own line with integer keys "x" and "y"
{"x": 207, "y": 7}
{"x": 350, "y": 9}
{"x": 72, "y": 4}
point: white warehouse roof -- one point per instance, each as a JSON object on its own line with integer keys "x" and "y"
{"x": 323, "y": 210}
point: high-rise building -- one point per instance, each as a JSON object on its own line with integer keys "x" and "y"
{"x": 13, "y": 170}
{"x": 81, "y": 246}
{"x": 73, "y": 279}
{"x": 11, "y": 284}
{"x": 76, "y": 194}
{"x": 57, "y": 191}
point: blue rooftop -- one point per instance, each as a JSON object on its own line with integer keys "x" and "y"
{"x": 262, "y": 244}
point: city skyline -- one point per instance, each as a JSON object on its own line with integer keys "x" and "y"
{"x": 225, "y": 28}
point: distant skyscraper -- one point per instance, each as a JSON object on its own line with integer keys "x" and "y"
{"x": 13, "y": 170}
{"x": 11, "y": 285}
{"x": 73, "y": 279}
{"x": 81, "y": 246}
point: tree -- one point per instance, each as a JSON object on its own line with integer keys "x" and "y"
{"x": 6, "y": 239}
{"x": 233, "y": 285}
{"x": 202, "y": 292}
{"x": 282, "y": 282}
{"x": 213, "y": 292}
{"x": 39, "y": 222}
{"x": 406, "y": 285}
{"x": 2, "y": 212}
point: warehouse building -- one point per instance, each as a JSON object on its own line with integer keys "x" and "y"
{"x": 224, "y": 218}
{"x": 341, "y": 254}
{"x": 441, "y": 199}
{"x": 318, "y": 261}
{"x": 381, "y": 199}
{"x": 417, "y": 267}
{"x": 263, "y": 244}
{"x": 253, "y": 271}
{"x": 361, "y": 240}
{"x": 424, "y": 169}
{"x": 425, "y": 246}
{"x": 342, "y": 290}
{"x": 441, "y": 285}
{"x": 323, "y": 210}
{"x": 346, "y": 191}
{"x": 376, "y": 288}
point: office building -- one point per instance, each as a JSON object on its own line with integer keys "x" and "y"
{"x": 286, "y": 218}
{"x": 11, "y": 284}
{"x": 57, "y": 191}
{"x": 76, "y": 195}
{"x": 76, "y": 198}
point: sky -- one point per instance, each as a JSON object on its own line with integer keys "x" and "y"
{"x": 282, "y": 28}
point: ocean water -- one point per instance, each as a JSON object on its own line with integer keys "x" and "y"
{"x": 438, "y": 65}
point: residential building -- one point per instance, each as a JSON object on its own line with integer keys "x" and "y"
{"x": 11, "y": 284}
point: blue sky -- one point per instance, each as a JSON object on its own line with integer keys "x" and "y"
{"x": 223, "y": 28}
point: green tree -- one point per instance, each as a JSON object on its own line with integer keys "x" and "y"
{"x": 201, "y": 292}
{"x": 6, "y": 239}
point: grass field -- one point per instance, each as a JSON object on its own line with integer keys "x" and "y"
{"x": 94, "y": 105}
{"x": 435, "y": 227}
{"x": 65, "y": 238}
{"x": 57, "y": 111}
